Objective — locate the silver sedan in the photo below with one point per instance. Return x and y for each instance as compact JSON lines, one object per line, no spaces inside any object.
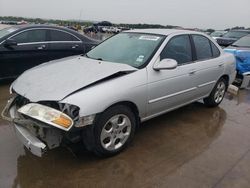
{"x":103,"y":96}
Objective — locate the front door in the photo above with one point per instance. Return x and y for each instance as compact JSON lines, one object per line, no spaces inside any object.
{"x":31,"y":50}
{"x":168,"y":89}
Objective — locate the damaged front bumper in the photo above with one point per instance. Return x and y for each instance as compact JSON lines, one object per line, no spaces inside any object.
{"x":36,"y":146}
{"x":23,"y":129}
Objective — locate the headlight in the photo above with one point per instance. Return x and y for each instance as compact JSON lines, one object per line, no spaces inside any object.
{"x":47,"y":115}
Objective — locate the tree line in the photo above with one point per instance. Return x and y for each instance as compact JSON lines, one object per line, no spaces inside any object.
{"x":89,"y":23}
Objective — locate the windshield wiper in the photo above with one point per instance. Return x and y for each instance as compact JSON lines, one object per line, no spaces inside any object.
{"x":234,"y":45}
{"x":99,"y":59}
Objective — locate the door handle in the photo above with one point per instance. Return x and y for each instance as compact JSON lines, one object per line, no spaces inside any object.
{"x":191,"y":72}
{"x":41,"y":47}
{"x":221,"y":65}
{"x":75,"y":46}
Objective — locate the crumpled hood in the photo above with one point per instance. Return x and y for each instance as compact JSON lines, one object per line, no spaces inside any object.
{"x":57,"y":79}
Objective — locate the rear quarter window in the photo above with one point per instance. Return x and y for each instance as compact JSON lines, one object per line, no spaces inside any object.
{"x":215,"y":50}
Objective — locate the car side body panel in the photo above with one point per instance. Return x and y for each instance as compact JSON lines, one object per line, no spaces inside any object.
{"x":128,"y":88}
{"x":153,"y":92}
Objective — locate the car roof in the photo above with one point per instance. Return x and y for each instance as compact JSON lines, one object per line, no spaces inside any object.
{"x":240,"y":30}
{"x":33,"y":26}
{"x":219,"y":31}
{"x":165,"y":32}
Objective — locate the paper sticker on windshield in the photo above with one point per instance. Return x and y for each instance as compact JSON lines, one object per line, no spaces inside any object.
{"x":148,"y":37}
{"x":140,"y":58}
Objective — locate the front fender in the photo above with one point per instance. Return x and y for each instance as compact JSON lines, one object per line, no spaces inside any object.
{"x":98,"y":97}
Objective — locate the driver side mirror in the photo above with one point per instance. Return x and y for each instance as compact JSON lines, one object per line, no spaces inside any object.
{"x":10,"y":43}
{"x":165,"y":64}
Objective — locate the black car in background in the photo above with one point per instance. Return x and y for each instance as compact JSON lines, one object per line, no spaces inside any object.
{"x":23,"y":47}
{"x":231,"y":36}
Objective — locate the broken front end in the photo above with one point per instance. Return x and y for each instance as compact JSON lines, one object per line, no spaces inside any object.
{"x":44,"y":125}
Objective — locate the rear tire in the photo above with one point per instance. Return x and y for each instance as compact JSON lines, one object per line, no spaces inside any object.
{"x":217,"y":94}
{"x":112,"y":131}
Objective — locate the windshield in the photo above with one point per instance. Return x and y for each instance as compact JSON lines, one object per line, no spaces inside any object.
{"x":243,"y":42}
{"x":6,"y":31}
{"x":236,"y":34}
{"x":133,"y":49}
{"x":217,"y":34}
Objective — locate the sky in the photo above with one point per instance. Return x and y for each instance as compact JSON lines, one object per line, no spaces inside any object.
{"x":217,"y":14}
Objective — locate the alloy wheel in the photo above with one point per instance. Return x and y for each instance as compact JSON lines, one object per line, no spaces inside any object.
{"x":115,"y":132}
{"x":220,"y":91}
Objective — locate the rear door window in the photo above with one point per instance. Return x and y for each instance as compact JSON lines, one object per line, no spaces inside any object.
{"x":56,"y":35}
{"x":202,"y":47}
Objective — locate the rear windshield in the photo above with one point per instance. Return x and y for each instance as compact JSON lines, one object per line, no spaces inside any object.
{"x":217,"y":34}
{"x":243,"y":42}
{"x":236,"y":34}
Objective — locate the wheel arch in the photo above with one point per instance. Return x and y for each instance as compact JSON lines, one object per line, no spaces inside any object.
{"x":226,"y":78}
{"x":130,"y":105}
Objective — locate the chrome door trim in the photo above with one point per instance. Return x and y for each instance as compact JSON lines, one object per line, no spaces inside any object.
{"x":47,"y":42}
{"x":168,"y":110}
{"x":171,"y":95}
{"x":208,"y":83}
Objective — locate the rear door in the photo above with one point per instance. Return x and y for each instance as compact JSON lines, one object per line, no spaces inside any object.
{"x":63,"y":44}
{"x":31,"y":50}
{"x":209,"y":64}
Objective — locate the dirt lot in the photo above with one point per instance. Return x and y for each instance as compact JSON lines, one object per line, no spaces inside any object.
{"x":191,"y":147}
{"x":2,"y":26}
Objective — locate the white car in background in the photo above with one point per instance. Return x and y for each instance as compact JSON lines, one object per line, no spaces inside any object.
{"x":103,"y":96}
{"x":111,"y":29}
{"x":217,"y":34}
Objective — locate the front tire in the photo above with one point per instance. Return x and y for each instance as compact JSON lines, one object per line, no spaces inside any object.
{"x":112,"y":131}
{"x":217,"y":94}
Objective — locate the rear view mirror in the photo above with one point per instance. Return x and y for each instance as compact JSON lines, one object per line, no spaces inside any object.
{"x":165,"y":64}
{"x":10,"y":43}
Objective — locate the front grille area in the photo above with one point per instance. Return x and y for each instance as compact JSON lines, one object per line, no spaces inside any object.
{"x":21,"y":101}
